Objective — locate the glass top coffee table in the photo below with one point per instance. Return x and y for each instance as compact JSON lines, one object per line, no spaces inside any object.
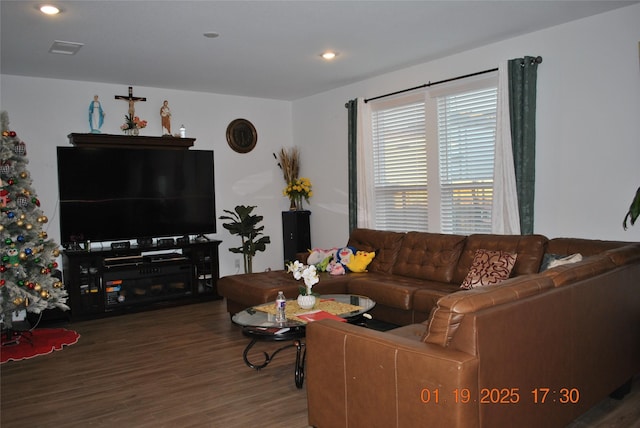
{"x":258,"y":323}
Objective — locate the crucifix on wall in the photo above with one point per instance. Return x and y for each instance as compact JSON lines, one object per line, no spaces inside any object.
{"x":132,"y":100}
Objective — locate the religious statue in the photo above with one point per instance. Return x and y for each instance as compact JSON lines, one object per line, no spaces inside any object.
{"x":131,"y":100}
{"x":165,"y":115}
{"x":96,"y":115}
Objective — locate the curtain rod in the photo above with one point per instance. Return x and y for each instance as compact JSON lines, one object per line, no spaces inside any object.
{"x":536,"y":60}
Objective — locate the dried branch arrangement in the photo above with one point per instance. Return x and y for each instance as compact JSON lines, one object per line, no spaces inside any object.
{"x":288,"y":161}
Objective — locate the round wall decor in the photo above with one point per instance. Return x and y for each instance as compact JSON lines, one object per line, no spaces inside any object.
{"x":241,"y":135}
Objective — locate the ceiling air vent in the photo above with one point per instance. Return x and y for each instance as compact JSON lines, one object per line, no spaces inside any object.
{"x":65,"y":48}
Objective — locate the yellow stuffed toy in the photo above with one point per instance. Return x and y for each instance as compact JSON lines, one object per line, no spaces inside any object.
{"x":360,"y":260}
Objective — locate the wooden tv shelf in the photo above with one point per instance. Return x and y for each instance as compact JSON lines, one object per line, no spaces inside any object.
{"x":131,"y":142}
{"x":107,"y":281}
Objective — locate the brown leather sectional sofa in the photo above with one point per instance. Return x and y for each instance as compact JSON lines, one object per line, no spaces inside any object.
{"x":538,"y":349}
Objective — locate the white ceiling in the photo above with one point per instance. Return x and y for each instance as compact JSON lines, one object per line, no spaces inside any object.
{"x":266,"y":49}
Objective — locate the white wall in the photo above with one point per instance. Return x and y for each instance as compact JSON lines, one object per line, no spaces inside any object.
{"x":588,"y":133}
{"x":588,"y":126}
{"x":44,"y":111}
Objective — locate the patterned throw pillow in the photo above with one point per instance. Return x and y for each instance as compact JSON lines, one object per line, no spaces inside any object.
{"x":489,"y":267}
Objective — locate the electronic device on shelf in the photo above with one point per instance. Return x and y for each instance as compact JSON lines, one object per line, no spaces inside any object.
{"x":166,"y":242}
{"x":120,"y":245}
{"x":112,"y":194}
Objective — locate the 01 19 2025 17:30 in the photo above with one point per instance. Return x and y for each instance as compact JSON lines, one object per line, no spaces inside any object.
{"x":540,"y":395}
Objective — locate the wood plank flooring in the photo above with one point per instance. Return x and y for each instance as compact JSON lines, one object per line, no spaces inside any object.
{"x":179,"y":367}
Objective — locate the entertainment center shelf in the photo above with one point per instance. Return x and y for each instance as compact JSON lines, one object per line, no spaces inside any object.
{"x":109,"y":281}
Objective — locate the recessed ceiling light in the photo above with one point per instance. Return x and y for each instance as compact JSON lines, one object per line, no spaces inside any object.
{"x":329,"y":55}
{"x":49,"y":9}
{"x":211,"y":34}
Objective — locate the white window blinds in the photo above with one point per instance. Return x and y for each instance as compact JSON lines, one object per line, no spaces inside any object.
{"x":466,"y":141}
{"x":400,"y":167}
{"x":447,"y":135}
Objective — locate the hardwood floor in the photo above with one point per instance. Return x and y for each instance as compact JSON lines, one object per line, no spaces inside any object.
{"x":179,"y":367}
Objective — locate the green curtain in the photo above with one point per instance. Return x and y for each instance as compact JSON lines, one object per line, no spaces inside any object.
{"x":522,"y":109}
{"x":352,"y":108}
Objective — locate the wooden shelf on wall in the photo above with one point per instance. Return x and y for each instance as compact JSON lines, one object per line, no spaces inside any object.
{"x":131,"y":142}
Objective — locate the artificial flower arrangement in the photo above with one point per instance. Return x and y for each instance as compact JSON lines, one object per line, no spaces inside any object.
{"x":307,"y":272}
{"x":133,"y":122}
{"x":297,"y":190}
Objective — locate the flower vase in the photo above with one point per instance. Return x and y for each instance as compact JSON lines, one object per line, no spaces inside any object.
{"x":306,"y":302}
{"x":292,"y":205}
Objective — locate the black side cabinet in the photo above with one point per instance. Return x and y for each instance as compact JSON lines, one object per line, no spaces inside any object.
{"x":296,"y":235}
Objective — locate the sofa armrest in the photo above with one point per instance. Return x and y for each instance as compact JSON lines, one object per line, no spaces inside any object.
{"x":361,"y":377}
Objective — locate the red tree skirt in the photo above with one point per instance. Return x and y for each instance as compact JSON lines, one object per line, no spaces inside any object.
{"x":38,"y":342}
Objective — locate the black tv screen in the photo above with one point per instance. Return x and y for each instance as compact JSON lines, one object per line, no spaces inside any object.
{"x":110,"y":194}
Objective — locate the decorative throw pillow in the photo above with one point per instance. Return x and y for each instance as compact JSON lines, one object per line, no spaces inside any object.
{"x":553,"y":260}
{"x":360,"y":260}
{"x":489,"y":267}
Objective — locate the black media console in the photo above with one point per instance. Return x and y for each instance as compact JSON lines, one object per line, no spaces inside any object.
{"x":119,"y":280}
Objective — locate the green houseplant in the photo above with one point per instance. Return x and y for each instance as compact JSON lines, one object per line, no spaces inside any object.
{"x":634,"y":210}
{"x":243,"y":223}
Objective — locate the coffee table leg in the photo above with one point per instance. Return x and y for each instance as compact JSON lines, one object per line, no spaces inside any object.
{"x":300,"y":359}
{"x":267,"y":357}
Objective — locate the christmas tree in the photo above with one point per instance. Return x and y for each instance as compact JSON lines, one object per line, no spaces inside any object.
{"x":28,"y":257}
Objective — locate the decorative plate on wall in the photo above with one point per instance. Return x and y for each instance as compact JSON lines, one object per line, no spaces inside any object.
{"x":241,"y":135}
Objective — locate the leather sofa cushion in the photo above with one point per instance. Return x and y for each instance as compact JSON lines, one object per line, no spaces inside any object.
{"x":385,"y":244}
{"x":430,"y":256}
{"x":255,"y":288}
{"x":451,"y":309}
{"x":427,"y":296}
{"x":624,"y":255}
{"x":586,"y":247}
{"x":529,"y":248}
{"x":588,"y":267}
{"x":392,"y":291}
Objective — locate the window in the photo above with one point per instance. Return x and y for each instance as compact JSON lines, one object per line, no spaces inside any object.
{"x":447,"y":136}
{"x":400,"y":167}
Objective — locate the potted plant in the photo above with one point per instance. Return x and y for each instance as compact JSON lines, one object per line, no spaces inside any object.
{"x":243,"y":223}
{"x":634,"y":210}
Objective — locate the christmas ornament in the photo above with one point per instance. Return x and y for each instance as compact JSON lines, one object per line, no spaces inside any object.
{"x":20,"y":149}
{"x":22,"y":201}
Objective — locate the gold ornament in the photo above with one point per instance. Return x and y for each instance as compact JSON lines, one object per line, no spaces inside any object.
{"x":18,"y":301}
{"x":29,"y":226}
{"x":22,"y":216}
{"x":44,"y":219}
{"x":44,"y":294}
{"x":1,"y":227}
{"x":56,"y":252}
{"x":37,"y":287}
{"x":23,"y":255}
{"x":20,"y":223}
{"x":57,"y":284}
{"x":23,"y":175}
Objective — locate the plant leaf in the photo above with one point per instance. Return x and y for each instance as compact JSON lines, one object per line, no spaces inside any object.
{"x":634,"y":210}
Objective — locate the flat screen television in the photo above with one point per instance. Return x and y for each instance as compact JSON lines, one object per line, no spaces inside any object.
{"x":111,"y":194}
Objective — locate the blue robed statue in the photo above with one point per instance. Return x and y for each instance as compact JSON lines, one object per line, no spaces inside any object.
{"x":96,"y":115}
